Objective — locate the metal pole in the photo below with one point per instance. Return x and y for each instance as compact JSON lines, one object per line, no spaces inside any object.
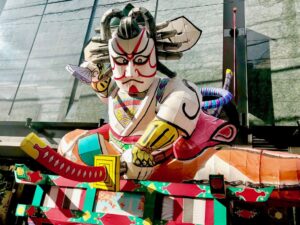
{"x":234,"y":53}
{"x":156,"y":8}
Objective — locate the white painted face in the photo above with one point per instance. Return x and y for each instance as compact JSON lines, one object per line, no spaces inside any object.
{"x":133,"y":62}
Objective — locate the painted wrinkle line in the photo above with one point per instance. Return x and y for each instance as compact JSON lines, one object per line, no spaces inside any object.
{"x":139,"y":42}
{"x":143,"y":75}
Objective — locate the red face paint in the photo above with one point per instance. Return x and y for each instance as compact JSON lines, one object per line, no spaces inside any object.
{"x":133,"y":62}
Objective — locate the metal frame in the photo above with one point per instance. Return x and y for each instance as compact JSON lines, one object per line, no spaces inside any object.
{"x":11,"y":133}
{"x":241,"y":54}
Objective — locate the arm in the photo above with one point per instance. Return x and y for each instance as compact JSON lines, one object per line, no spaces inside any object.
{"x":101,"y":81}
{"x":177,"y":116}
{"x":159,"y":135}
{"x":95,"y":55}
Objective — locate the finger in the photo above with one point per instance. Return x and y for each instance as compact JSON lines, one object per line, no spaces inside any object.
{"x":162,"y":25}
{"x":165,"y":34}
{"x":169,"y":55}
{"x":99,"y":49}
{"x":123,"y":168}
{"x":98,"y":54}
{"x":100,"y":59}
{"x":145,"y":173}
{"x":93,"y":67}
{"x":98,"y":40}
{"x":168,"y":45}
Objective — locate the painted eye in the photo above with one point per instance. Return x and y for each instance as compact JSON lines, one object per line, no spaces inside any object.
{"x":140,"y":59}
{"x":121,"y":60}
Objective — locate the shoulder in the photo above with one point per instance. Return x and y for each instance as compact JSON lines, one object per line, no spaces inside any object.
{"x":181,"y":88}
{"x":181,"y":104}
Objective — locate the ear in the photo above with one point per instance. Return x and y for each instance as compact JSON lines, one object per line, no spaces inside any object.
{"x":225,"y":133}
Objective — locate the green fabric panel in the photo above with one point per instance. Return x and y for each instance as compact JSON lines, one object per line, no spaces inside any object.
{"x":219,"y":213}
{"x":149,"y":205}
{"x":121,"y":145}
{"x":88,"y":147}
{"x":89,"y":199}
{"x":38,"y":194}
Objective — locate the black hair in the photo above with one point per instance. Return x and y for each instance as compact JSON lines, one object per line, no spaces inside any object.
{"x":128,"y":28}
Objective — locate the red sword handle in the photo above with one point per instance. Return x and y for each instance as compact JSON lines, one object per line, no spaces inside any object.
{"x":56,"y":163}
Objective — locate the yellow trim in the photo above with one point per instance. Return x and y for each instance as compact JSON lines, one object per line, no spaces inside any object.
{"x":147,"y":221}
{"x":86,"y":215}
{"x":158,"y":134}
{"x":151,"y":188}
{"x":112,"y":164}
{"x":278,"y":215}
{"x":101,"y":86}
{"x":20,"y":171}
{"x":20,"y":210}
{"x":27,"y":145}
{"x":229,"y":71}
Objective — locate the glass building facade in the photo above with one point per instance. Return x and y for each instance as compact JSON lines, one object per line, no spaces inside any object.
{"x":38,"y":38}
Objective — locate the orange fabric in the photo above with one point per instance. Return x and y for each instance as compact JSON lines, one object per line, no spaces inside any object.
{"x":263,"y":166}
{"x":177,"y":171}
{"x":246,"y":162}
{"x":73,"y":134}
{"x":110,"y":149}
{"x":258,"y":166}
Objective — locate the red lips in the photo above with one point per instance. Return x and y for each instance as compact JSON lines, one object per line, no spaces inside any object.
{"x":133,"y":89}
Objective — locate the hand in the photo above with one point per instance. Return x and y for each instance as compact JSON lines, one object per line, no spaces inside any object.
{"x":95,"y":70}
{"x":100,"y":76}
{"x":134,"y":171}
{"x":96,"y":53}
{"x":142,"y":158}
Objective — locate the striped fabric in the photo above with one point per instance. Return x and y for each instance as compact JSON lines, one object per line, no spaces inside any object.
{"x":107,"y":202}
{"x":67,"y":198}
{"x":187,"y":210}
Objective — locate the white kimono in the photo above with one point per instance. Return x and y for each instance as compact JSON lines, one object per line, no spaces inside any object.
{"x":172,"y":100}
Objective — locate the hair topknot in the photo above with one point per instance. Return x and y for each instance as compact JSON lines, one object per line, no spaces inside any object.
{"x":128,"y":28}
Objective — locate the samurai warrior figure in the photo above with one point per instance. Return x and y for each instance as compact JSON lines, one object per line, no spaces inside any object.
{"x":147,"y":114}
{"x":157,"y":124}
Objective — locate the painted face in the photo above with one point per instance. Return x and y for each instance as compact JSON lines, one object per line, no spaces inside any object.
{"x":133,"y":62}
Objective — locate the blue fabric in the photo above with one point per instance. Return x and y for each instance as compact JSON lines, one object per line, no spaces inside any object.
{"x":88,"y":147}
{"x":161,"y":88}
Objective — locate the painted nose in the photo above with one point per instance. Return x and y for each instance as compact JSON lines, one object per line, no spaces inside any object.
{"x":130,"y":71}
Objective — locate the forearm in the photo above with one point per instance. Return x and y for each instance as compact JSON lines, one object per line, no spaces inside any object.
{"x":103,"y":87}
{"x":159,"y":135}
{"x":101,"y":82}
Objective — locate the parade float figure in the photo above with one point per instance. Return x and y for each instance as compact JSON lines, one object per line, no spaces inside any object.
{"x":147,"y":114}
{"x":156,"y":124}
